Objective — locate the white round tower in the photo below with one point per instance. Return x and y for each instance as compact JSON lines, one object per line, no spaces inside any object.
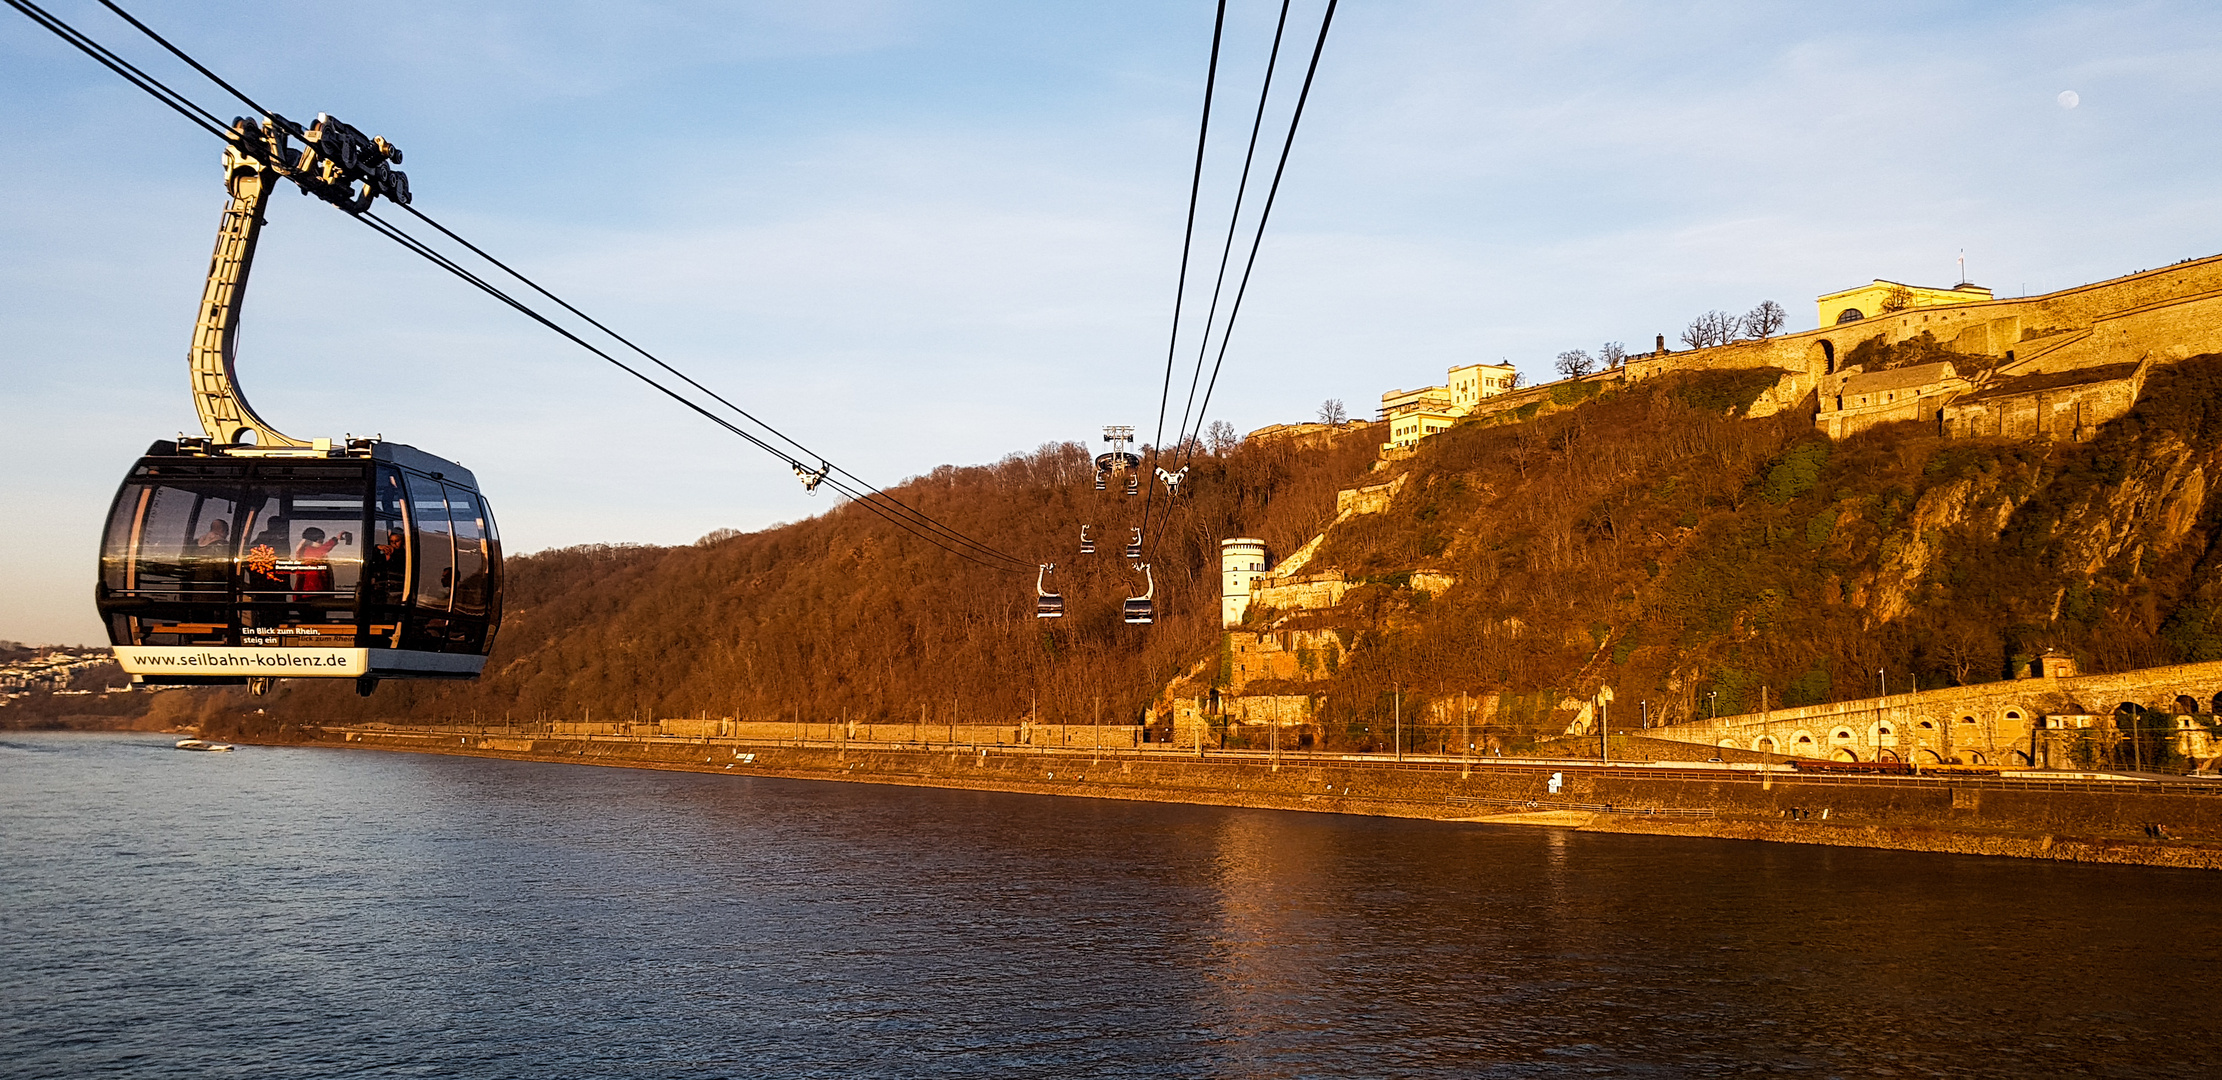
{"x":1241,"y":560}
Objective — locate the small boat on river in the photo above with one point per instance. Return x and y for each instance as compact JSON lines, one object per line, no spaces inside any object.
{"x":204,"y":744}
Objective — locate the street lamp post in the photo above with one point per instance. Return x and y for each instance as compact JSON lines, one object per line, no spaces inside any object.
{"x":1396,"y":709}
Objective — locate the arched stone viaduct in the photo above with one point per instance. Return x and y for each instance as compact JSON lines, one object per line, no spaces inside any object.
{"x":2019,"y":722}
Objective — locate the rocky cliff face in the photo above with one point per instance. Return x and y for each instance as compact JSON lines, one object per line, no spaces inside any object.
{"x":1648,"y":545}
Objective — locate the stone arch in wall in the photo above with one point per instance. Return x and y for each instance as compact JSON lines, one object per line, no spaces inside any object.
{"x":1972,"y":757}
{"x":2216,"y":701}
{"x":1887,"y":755}
{"x":1804,"y":744}
{"x":1842,"y":734}
{"x":2011,"y":716}
{"x":1823,"y":356}
{"x":1764,"y":744}
{"x":2186,"y":704}
{"x":1729,"y":743}
{"x":1968,"y":719}
{"x":1849,"y":315}
{"x":1926,"y":756}
{"x":1843,"y":753}
{"x":2019,"y":757}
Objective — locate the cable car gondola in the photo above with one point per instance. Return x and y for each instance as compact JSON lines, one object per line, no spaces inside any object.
{"x":1087,"y":543}
{"x":1142,"y":610}
{"x":1134,"y":547}
{"x":1117,"y":463}
{"x":1133,"y":484}
{"x":1047,"y":605}
{"x":247,"y":555}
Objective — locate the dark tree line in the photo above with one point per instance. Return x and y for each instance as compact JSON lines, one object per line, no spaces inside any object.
{"x":846,"y":616}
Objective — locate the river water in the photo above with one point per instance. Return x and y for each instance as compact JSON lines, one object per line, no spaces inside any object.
{"x":318,"y":912}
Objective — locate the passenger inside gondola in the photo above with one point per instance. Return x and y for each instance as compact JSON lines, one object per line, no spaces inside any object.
{"x":216,"y":542}
{"x":315,"y":558}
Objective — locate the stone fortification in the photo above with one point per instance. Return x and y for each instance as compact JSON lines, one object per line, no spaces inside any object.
{"x":2051,"y":366}
{"x":2038,"y":722}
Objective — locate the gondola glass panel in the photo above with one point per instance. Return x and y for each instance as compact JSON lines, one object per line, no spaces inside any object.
{"x":170,"y":543}
{"x":433,"y":550}
{"x":470,"y":551}
{"x":302,"y":561}
{"x":474,"y":563}
{"x":435,"y":543}
{"x":388,"y":570}
{"x":493,"y":573}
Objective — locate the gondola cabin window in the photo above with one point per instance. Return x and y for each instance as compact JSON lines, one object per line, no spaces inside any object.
{"x":435,"y":543}
{"x":388,"y":557}
{"x":304,"y":538}
{"x":173,"y":537}
{"x":468,"y":526}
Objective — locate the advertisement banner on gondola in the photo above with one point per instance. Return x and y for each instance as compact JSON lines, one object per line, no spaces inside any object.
{"x":254,"y":663}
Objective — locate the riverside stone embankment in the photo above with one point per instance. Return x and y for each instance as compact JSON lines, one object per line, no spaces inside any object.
{"x":2157,"y":823}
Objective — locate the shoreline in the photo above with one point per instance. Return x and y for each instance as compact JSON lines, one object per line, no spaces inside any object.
{"x":2166,"y":825}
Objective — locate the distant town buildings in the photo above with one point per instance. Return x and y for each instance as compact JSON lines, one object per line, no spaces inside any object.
{"x":49,"y":669}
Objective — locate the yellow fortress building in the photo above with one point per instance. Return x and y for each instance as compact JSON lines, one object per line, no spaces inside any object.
{"x":1413,"y":415}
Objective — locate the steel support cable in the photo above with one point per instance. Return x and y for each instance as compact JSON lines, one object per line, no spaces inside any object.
{"x":1187,"y":242}
{"x":1251,"y":261}
{"x":194,"y":112}
{"x":1226,"y":251}
{"x":251,"y":103}
{"x":180,"y":54}
{"x":154,"y":87}
{"x":1272,"y":194}
{"x":535,"y":286}
{"x":418,"y":247}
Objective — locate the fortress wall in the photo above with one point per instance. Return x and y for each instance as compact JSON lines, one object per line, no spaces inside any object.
{"x":1276,"y":709}
{"x":1992,"y":719}
{"x":2167,"y":311}
{"x":2168,"y":331}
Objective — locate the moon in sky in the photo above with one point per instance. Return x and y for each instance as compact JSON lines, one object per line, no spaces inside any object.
{"x":2070,"y":99}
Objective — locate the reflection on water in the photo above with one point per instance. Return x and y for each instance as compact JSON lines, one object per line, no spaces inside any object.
{"x":297,"y":912}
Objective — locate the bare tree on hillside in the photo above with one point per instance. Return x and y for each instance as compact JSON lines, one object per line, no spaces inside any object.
{"x":1764,"y":321}
{"x":1612,"y":354}
{"x":1221,"y":437}
{"x":1575,"y":363}
{"x":1332,"y":412}
{"x":1712,"y":328}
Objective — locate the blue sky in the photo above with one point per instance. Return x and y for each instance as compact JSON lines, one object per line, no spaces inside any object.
{"x":916,"y":233}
